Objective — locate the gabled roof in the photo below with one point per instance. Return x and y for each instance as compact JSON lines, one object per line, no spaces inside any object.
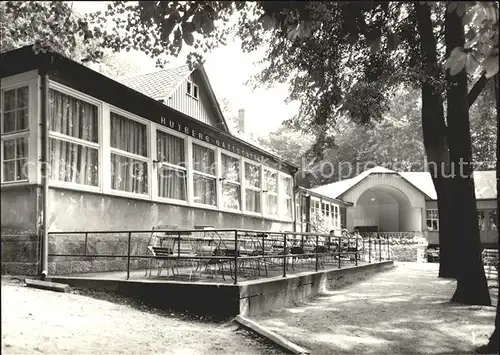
{"x":159,"y":85}
{"x":484,"y":182}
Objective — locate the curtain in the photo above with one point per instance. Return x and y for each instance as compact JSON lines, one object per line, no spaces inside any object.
{"x":252,"y":175}
{"x":272,"y":204}
{"x":128,"y":135}
{"x":172,"y":182}
{"x":170,"y":149}
{"x":204,"y":190}
{"x":203,"y":159}
{"x":252,"y":202}
{"x":230,"y":168}
{"x":128,"y":174}
{"x":231,"y":196}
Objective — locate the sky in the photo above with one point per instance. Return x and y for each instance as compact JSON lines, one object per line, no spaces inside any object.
{"x":228,"y":68}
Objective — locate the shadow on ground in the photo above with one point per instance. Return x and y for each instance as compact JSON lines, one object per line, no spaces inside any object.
{"x":403,"y":311}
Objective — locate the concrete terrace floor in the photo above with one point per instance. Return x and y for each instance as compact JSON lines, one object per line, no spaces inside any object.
{"x":402,"y":311}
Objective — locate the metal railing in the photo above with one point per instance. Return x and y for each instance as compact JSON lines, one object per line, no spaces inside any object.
{"x":247,"y":253}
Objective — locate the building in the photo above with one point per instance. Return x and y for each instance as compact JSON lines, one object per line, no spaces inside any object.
{"x":83,"y":152}
{"x":387,"y":201}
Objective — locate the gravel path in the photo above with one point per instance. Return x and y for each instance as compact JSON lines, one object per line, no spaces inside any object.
{"x":36,"y":321}
{"x":402,"y":311}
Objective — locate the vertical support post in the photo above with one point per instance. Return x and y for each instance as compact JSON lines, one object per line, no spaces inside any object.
{"x":284,"y":255}
{"x":128,"y":254}
{"x":302,"y":241}
{"x":388,"y":250}
{"x":178,"y":246}
{"x":339,"y":250}
{"x":356,"y":255}
{"x":235,"y":257}
{"x":370,"y":249}
{"x":364,"y":251}
{"x":317,"y":240}
{"x":379,"y":250}
{"x":86,"y":240}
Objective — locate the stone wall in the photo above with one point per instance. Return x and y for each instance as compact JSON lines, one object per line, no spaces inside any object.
{"x":20,"y":230}
{"x":410,"y":252}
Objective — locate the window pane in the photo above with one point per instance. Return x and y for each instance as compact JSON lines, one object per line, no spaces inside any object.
{"x":9,"y":123}
{"x":230,"y":168}
{"x":21,"y":169}
{"x":22,"y":97}
{"x":21,"y":148}
{"x":9,"y":171}
{"x":9,"y":98}
{"x":172,"y":183}
{"x":170,"y":148}
{"x":204,"y":190}
{"x":270,"y":181}
{"x":129,"y":174}
{"x":493,"y":220}
{"x":252,"y":202}
{"x":231,"y":196}
{"x":73,"y":117}
{"x":203,"y":159}
{"x":252,"y":175}
{"x":9,"y":149}
{"x":286,"y":183}
{"x":73,"y":163}
{"x":272,"y":204}
{"x":128,"y":135}
{"x":22,"y":119}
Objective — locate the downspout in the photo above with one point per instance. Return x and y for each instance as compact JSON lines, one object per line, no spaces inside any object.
{"x":295,"y":190}
{"x":44,"y":170}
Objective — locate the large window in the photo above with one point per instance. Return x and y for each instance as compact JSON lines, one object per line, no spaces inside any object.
{"x":286,"y":195}
{"x":204,"y":175}
{"x":129,"y":155}
{"x":432,"y":220}
{"x":15,"y":134}
{"x":172,"y":172}
{"x":270,"y":192}
{"x":231,"y":186}
{"x":252,"y":188}
{"x":335,"y":215}
{"x":74,"y":143}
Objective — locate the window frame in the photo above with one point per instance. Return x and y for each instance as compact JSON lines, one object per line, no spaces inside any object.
{"x":266,"y":193}
{"x":193,"y":172}
{"x":123,"y":153}
{"x":157,"y":164}
{"x":190,"y":89}
{"x":221,"y":182}
{"x":99,"y":145}
{"x":434,"y":216}
{"x":253,"y":188}
{"x":31,"y":79}
{"x":283,"y":194}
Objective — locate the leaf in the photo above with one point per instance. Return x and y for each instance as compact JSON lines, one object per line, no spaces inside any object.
{"x":471,"y":63}
{"x":490,"y":66}
{"x":197,"y":20}
{"x":452,"y":5}
{"x":375,"y":45}
{"x":188,"y":27}
{"x":188,"y":38}
{"x":468,"y":17}
{"x":392,"y":41}
{"x":457,"y":55}
{"x":266,"y":21}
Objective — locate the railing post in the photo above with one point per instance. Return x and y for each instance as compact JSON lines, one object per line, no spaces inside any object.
{"x":128,"y":254}
{"x":178,"y":246}
{"x":388,"y":250}
{"x":379,"y":250}
{"x":284,"y":255}
{"x":356,"y":255}
{"x":370,"y":249}
{"x":339,"y":250}
{"x":235,"y":257}
{"x":263,"y":248}
{"x":317,"y":240}
{"x":364,"y":250}
{"x":86,"y":240}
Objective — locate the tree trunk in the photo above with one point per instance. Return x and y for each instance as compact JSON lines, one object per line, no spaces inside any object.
{"x":472,"y":286}
{"x":434,"y":134}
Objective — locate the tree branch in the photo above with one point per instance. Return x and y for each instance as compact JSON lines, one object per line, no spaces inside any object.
{"x":477,"y":89}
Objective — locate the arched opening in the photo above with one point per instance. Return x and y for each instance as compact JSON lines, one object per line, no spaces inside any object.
{"x":386,"y":209}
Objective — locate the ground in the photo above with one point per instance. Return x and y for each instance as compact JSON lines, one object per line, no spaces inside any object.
{"x":36,"y":321}
{"x":402,"y":311}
